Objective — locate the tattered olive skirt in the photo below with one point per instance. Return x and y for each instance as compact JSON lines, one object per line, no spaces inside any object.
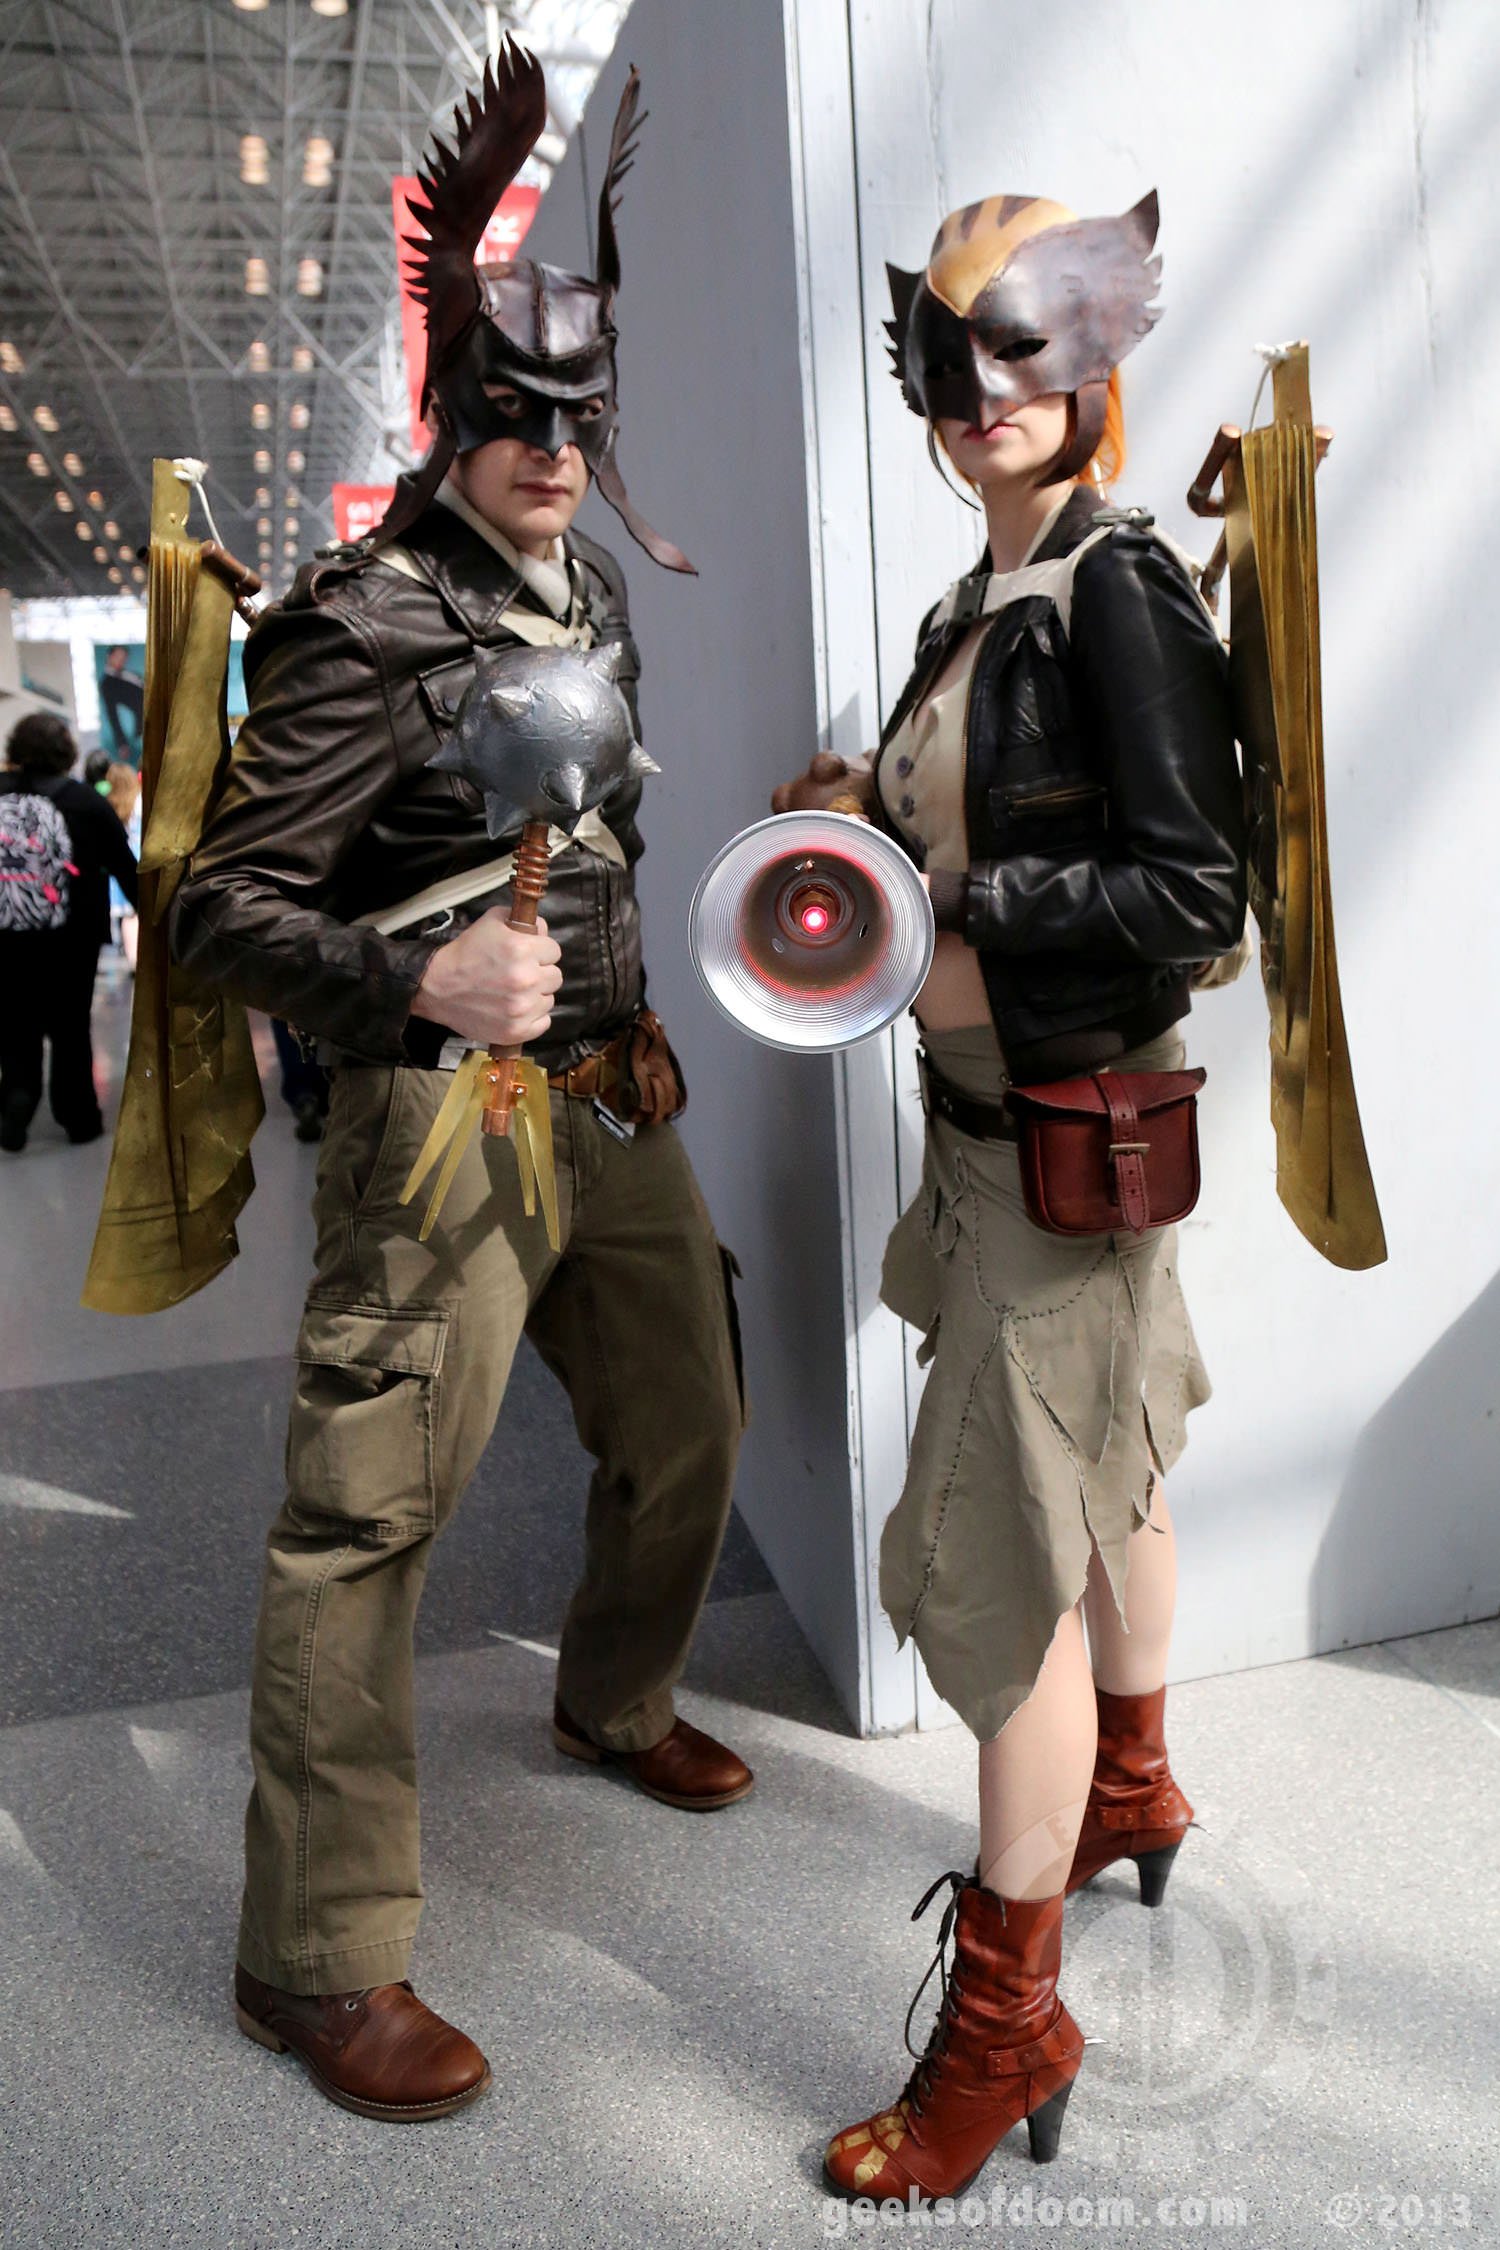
{"x":1062,"y":1372}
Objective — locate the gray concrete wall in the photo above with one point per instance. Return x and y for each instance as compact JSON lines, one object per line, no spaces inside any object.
{"x":712,"y":449}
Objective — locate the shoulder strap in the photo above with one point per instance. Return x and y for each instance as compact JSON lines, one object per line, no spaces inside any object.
{"x":983,"y":594}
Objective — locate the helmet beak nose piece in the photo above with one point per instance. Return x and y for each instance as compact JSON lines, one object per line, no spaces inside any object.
{"x":994,"y":385}
{"x":552,"y":435}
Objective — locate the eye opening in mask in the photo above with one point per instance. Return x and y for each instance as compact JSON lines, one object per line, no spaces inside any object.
{"x":505,"y":395}
{"x":590,"y":409}
{"x":1024,"y":347}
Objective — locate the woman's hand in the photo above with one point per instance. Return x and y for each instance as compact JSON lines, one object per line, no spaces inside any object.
{"x":828,"y":779}
{"x":491,"y":984}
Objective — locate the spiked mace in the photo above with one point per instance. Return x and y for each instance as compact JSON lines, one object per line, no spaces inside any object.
{"x":544,"y":735}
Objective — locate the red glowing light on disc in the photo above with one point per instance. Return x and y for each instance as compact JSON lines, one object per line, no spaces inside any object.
{"x":815,"y":920}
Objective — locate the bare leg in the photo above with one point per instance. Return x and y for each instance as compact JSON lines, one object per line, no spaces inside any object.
{"x":1135,"y":1662}
{"x":1034,"y":1776}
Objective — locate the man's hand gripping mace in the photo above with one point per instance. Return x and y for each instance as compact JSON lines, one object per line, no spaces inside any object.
{"x":500,"y":1088}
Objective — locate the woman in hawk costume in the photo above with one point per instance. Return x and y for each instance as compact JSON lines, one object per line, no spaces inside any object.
{"x":1061,"y":765}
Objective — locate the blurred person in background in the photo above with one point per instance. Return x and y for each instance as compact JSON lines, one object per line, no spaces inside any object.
{"x":59,"y":844}
{"x":122,"y":703}
{"x":304,"y":1082}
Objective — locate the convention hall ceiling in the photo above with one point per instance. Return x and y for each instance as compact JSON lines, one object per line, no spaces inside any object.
{"x":151,"y":152}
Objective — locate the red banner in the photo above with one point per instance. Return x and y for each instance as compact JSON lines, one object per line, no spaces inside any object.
{"x":358,"y":508}
{"x":502,"y":238}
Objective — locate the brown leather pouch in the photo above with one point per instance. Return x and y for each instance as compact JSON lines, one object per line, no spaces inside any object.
{"x":651,"y":1088}
{"x":1116,"y":1152}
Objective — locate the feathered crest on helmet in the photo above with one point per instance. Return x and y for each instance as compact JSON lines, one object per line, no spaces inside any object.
{"x":623,"y":142}
{"x":494,"y":131}
{"x":904,"y":287}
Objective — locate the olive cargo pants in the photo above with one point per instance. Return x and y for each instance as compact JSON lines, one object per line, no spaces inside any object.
{"x":403,"y":1357}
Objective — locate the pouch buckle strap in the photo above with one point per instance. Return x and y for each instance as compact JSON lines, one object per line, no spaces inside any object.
{"x":1060,"y":2044}
{"x":1127,"y":1153}
{"x":594,"y":1077}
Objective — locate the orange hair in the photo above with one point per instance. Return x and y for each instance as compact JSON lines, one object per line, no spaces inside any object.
{"x":1108,"y":463}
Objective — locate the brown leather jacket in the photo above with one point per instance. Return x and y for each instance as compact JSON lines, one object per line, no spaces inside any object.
{"x":331,"y":811}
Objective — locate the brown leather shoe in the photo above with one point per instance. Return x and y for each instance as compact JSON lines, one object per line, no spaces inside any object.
{"x":686,"y":1768}
{"x":380,"y":2052}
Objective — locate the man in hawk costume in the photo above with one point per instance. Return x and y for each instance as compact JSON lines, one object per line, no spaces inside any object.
{"x":349,"y":884}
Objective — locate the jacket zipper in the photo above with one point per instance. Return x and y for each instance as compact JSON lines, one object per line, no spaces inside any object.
{"x":1046,"y":799}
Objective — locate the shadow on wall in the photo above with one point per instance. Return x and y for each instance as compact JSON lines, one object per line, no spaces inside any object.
{"x":1394,"y":1557}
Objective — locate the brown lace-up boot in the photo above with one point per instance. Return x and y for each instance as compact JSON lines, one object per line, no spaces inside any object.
{"x":1004,"y":2047}
{"x":1135,"y":1809}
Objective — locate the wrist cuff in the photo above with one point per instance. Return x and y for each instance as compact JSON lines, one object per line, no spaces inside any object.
{"x":949,"y":892}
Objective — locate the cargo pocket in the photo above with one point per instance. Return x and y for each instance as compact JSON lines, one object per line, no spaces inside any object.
{"x":729,"y":1266}
{"x":914,"y":1270}
{"x":361,"y":1438}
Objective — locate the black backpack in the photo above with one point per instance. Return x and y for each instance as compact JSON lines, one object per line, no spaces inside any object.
{"x":35,"y":863}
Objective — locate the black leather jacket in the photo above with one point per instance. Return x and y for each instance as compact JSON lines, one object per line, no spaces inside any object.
{"x":1102,"y":796}
{"x":330,"y":809}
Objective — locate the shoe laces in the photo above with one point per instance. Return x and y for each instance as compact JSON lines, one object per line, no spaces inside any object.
{"x":929,"y":2058}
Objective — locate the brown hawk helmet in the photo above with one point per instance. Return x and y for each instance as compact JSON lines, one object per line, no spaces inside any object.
{"x":520,"y":350}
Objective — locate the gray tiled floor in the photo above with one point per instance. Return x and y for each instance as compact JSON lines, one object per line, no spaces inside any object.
{"x":678,"y":2010}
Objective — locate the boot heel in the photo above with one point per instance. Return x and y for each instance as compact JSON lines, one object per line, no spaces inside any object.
{"x":1044,"y":2125}
{"x":1154,"y":1869}
{"x":258,"y":2031}
{"x":574,"y":1746}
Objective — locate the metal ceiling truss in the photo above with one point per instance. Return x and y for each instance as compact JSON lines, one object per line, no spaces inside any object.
{"x":125,"y":228}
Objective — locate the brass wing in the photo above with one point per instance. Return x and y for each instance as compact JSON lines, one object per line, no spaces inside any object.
{"x":179,"y":1169}
{"x":1271,"y":537}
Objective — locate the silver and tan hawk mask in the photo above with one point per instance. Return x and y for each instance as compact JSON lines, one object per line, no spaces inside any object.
{"x":1020,"y":298}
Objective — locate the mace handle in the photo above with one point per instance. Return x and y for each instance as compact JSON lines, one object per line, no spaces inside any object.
{"x":528,"y":884}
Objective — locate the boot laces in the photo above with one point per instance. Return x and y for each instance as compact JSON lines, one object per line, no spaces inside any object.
{"x":929,"y":2058}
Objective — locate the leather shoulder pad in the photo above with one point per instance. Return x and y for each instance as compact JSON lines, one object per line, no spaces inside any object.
{"x":1140,"y":561}
{"x":1111,"y":519}
{"x":315,"y":620}
{"x":331,"y":567}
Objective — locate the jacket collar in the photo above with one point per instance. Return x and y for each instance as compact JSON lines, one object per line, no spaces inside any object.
{"x":473,"y":580}
{"x":472,"y":577}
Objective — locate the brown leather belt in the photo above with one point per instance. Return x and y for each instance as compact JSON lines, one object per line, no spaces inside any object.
{"x":982,"y":1121}
{"x":596,"y":1077}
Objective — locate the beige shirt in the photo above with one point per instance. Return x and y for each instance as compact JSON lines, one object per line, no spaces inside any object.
{"x":921,"y":771}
